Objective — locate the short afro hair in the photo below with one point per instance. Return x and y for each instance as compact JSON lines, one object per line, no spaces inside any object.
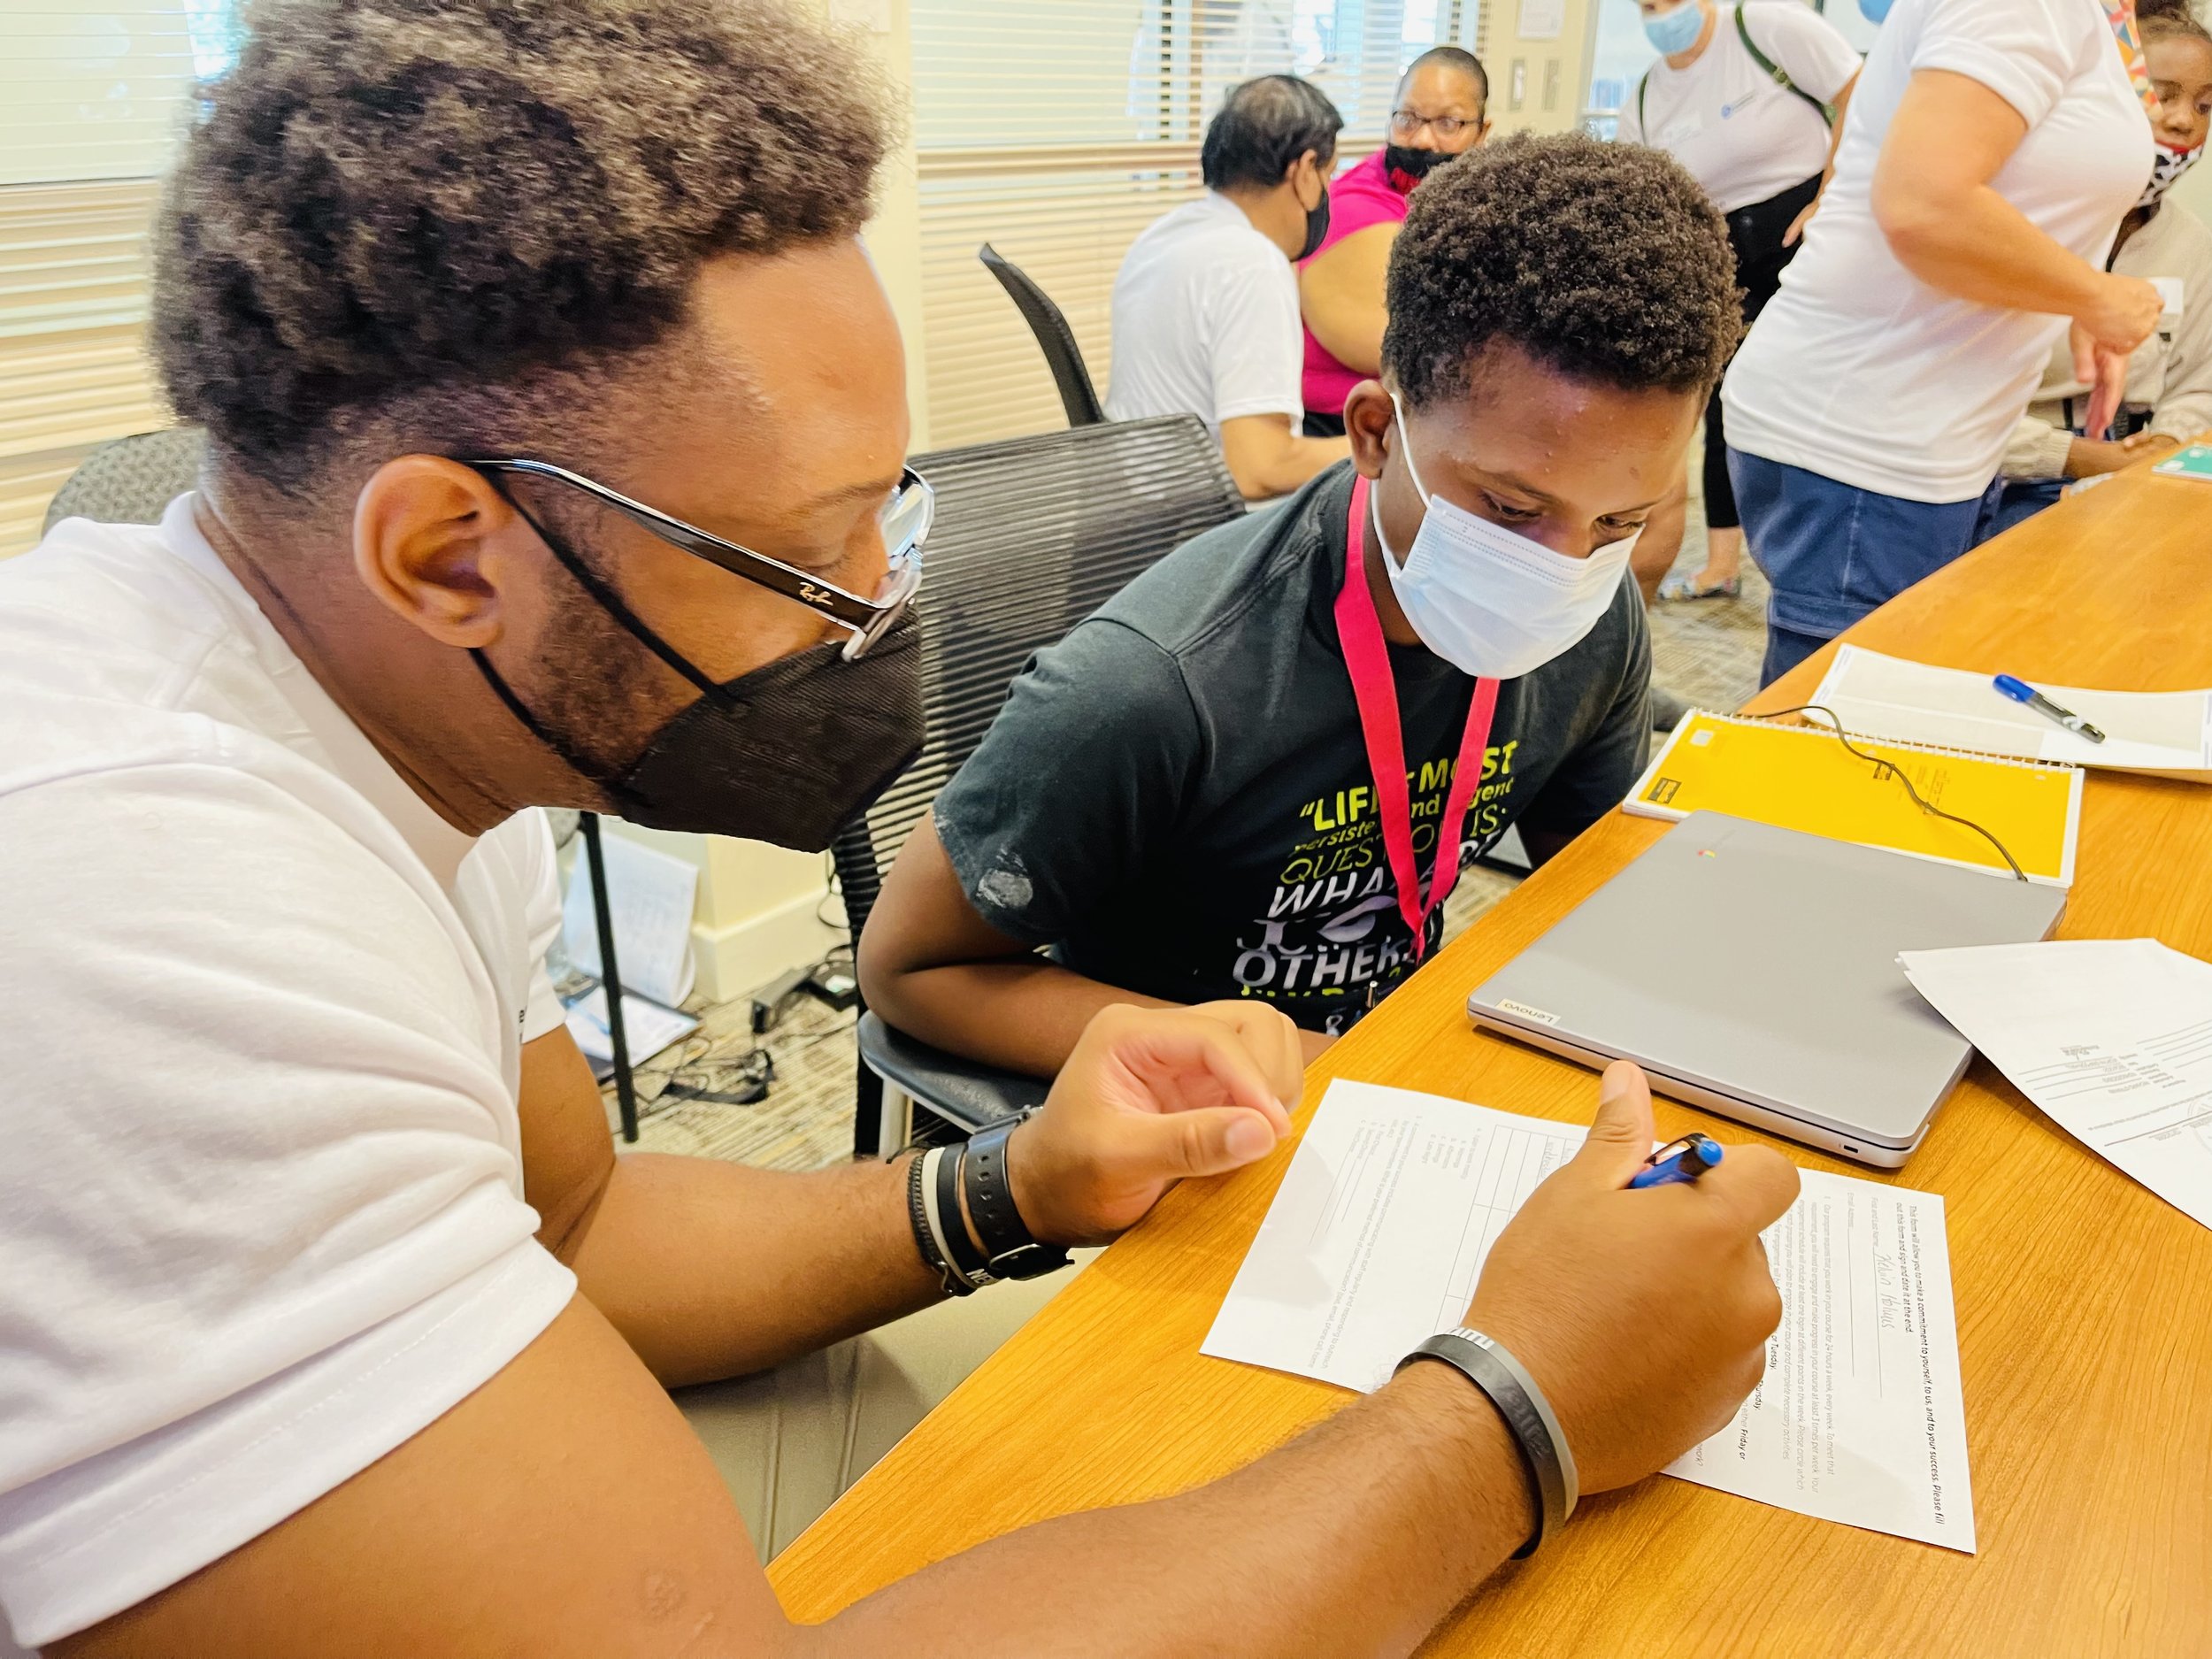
{"x":444,"y":212}
{"x":1605,"y":261}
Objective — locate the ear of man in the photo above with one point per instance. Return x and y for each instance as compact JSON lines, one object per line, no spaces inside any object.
{"x":1368,"y":420}
{"x":439,"y":547}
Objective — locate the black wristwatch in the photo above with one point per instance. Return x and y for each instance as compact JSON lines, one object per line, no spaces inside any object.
{"x":1007,"y":1242}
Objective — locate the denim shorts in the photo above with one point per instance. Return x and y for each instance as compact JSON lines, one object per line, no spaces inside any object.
{"x":1832,"y":552}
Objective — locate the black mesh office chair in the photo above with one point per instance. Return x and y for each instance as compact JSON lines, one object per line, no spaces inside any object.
{"x":131,"y":479}
{"x":1032,"y":535}
{"x":1063,"y":355}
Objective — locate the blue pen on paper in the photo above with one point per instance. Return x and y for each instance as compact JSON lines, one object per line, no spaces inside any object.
{"x":2020,"y":691}
{"x":1683,"y":1160}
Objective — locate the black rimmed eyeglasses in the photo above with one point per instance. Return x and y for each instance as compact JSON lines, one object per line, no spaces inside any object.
{"x":905,"y":520}
{"x":1406,"y":123}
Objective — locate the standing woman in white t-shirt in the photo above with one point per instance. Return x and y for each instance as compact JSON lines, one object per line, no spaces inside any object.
{"x":1991,"y":148}
{"x":1744,"y":97}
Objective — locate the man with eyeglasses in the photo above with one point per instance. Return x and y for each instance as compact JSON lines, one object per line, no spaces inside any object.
{"x":1440,"y":110}
{"x":556,"y":425}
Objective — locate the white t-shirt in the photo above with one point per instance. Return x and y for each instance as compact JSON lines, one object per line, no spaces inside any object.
{"x":1739,"y":133}
{"x":1860,"y":371}
{"x":261,"y":1203}
{"x":1206,"y":320}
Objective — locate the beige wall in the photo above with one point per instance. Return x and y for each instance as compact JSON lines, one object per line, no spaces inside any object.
{"x":756,"y":911}
{"x":1554,"y":65}
{"x":895,"y":236}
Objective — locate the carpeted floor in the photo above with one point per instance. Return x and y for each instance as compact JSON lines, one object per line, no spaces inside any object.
{"x":1707,"y":651}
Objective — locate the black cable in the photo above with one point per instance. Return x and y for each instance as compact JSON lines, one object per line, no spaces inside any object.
{"x":1843,"y":737}
{"x":755,"y":1069}
{"x":833,"y":888}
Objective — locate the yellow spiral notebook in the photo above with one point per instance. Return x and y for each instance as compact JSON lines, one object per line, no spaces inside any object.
{"x":1801,"y":777}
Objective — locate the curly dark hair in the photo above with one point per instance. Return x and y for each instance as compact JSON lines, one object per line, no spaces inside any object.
{"x":458,"y":214}
{"x":1605,"y":261}
{"x":2159,"y":20}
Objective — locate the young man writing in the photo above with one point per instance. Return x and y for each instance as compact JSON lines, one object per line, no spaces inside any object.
{"x":1252,"y":774}
{"x":334,"y":1324}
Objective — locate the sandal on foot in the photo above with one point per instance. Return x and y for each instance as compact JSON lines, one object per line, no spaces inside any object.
{"x":1686,"y":587}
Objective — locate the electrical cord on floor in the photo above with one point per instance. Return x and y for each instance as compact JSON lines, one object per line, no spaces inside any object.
{"x":754,"y":1071}
{"x":1835,"y":729}
{"x":831,"y":979}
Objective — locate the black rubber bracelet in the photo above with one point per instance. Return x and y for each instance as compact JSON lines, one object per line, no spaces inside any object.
{"x":918,"y":1216}
{"x":1012,"y":1248}
{"x":966,"y":1259}
{"x":1528,"y":1417}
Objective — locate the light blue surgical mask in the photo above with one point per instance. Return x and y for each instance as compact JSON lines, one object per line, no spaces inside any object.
{"x":1493,"y":603}
{"x":1677,"y":31}
{"x":1874,"y":11}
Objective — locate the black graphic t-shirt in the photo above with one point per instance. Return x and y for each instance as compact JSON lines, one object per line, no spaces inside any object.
{"x":1176,"y":798}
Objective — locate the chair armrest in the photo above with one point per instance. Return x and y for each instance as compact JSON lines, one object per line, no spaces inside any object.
{"x":959,"y":1091}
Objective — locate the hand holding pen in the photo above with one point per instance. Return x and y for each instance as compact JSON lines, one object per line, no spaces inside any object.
{"x":1683,"y":1160}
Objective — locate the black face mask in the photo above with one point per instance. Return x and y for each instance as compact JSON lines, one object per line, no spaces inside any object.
{"x":1316,"y":226}
{"x":789,"y":753}
{"x":1406,"y":167}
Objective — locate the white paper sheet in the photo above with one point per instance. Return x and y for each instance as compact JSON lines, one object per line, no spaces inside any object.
{"x":2111,"y":1036}
{"x":649,"y":897}
{"x":1392,"y":1200}
{"x":647,"y":1027}
{"x":1887,"y":696}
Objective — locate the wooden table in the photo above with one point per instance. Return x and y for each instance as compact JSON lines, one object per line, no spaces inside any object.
{"x":2085,"y":1304}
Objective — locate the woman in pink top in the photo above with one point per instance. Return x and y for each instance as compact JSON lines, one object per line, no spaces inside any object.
{"x":1440,"y":111}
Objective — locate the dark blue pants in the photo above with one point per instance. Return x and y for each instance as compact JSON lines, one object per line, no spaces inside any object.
{"x":1832,"y":552}
{"x":2013,"y":500}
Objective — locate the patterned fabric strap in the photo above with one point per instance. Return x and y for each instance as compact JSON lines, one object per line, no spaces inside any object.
{"x":2121,"y":15}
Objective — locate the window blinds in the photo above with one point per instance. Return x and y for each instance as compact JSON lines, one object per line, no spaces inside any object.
{"x":1057,"y":132}
{"x":91,"y":99}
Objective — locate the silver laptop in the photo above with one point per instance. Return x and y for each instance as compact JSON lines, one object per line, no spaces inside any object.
{"x":1753,"y":970}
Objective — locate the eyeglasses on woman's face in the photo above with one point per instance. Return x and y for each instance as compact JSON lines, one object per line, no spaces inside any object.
{"x":1405,"y":124}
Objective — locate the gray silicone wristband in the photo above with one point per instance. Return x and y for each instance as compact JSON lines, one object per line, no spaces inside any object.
{"x":1528,"y":1415}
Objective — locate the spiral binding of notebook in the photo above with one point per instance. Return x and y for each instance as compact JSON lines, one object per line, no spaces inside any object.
{"x":1981,"y":812}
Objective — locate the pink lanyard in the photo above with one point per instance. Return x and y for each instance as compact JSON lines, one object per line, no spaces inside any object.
{"x":1359,"y":630}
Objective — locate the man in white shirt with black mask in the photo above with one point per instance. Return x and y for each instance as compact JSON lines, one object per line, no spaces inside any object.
{"x":546,"y":471}
{"x":1206,"y":301}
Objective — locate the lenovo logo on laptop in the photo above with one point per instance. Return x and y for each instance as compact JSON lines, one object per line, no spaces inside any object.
{"x":1542,"y":1017}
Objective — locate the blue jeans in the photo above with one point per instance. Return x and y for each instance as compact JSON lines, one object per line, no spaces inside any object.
{"x":1833,"y":552}
{"x":2013,"y":500}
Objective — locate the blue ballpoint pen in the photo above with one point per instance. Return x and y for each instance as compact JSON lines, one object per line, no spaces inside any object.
{"x":2020,"y":691}
{"x":1683,"y":1160}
